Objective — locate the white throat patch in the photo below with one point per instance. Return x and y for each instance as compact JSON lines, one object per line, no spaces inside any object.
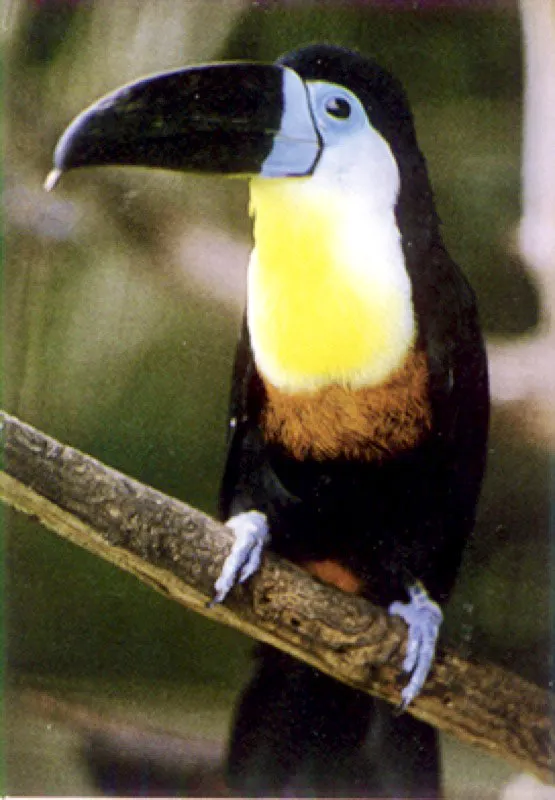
{"x":329,"y":297}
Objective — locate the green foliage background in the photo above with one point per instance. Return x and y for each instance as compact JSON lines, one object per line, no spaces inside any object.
{"x":112,"y":347}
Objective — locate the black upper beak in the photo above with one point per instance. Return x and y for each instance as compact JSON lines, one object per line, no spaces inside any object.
{"x":220,"y":118}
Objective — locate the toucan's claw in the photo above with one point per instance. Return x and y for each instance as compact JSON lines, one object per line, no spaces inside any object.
{"x":251,"y":537}
{"x":424,"y":618}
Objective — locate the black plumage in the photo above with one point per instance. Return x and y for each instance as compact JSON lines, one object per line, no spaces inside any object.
{"x":391,"y":509}
{"x":391,"y":521}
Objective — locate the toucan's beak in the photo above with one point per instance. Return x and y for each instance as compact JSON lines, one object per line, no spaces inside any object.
{"x":234,"y":119}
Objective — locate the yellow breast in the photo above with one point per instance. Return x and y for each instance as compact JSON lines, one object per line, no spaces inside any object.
{"x":329,"y":299}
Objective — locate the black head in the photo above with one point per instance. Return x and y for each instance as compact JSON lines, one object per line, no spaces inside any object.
{"x":386,"y":104}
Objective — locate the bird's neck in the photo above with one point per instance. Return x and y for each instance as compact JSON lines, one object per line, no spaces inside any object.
{"x":329,"y":298}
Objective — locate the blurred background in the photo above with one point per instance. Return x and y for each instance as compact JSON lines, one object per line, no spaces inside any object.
{"x":123,"y":296}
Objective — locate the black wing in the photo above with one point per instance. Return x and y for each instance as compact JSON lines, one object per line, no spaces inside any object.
{"x":391,"y":523}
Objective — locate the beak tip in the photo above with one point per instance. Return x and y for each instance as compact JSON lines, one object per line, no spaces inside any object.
{"x":52,"y":179}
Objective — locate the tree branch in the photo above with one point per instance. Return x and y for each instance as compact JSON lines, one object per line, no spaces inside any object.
{"x":179,"y":551}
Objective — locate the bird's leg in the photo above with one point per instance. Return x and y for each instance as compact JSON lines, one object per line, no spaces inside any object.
{"x":424,"y":618}
{"x":251,"y":536}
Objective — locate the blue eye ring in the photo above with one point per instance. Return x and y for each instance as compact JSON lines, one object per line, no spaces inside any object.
{"x":338,"y":107}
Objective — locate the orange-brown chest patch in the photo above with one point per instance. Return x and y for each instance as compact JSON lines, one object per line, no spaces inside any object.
{"x":369,"y":423}
{"x":335,"y":574}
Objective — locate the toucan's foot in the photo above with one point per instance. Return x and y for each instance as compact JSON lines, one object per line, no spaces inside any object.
{"x":251,"y":536}
{"x":424,"y":618}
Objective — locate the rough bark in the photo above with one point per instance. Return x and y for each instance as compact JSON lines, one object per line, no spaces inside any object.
{"x":179,"y":551}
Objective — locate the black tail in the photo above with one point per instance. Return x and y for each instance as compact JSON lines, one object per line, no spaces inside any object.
{"x":298,"y":733}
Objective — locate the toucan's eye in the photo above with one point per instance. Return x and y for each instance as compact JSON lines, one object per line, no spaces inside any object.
{"x":338,"y":107}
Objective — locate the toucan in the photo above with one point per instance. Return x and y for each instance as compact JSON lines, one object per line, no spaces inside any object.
{"x":359,"y":404}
